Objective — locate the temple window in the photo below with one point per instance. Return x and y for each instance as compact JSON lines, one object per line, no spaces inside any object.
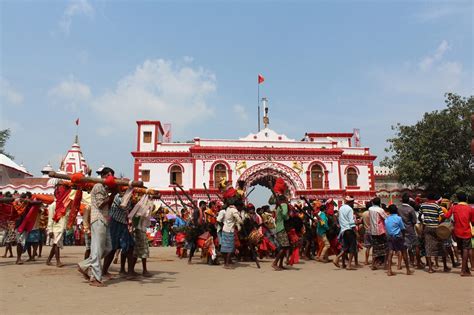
{"x":220,"y":171}
{"x":176,"y":175}
{"x":317,"y":177}
{"x":352,"y":177}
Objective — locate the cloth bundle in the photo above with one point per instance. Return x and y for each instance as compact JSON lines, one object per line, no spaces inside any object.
{"x":142,"y":211}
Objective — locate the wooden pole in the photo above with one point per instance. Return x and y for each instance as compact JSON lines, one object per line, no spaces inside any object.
{"x":86,"y":179}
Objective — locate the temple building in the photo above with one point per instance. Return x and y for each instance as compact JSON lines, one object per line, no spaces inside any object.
{"x":320,"y":165}
{"x":23,"y":181}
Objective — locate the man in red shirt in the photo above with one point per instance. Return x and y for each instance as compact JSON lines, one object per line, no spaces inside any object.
{"x":463,"y":215}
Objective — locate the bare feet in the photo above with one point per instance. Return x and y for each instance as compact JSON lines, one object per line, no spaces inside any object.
{"x":115,"y":261}
{"x":48,"y":262}
{"x":4,"y":256}
{"x":30,"y":259}
{"x":83,"y":273}
{"x":410,"y":272}
{"x":95,"y":283}
{"x":336,"y":263}
{"x":431,"y":271}
{"x":108,"y":276}
{"x":276,"y":268}
{"x":146,"y":274}
{"x":373,"y":268}
{"x":390,"y":274}
{"x":466,"y":274}
{"x":19,"y":262}
{"x":446,"y":269}
{"x":59,"y":265}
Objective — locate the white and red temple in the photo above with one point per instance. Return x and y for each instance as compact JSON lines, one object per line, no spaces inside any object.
{"x":321,"y":165}
{"x":72,"y":162}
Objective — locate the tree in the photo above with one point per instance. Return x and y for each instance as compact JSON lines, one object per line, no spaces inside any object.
{"x":435,"y":152}
{"x":4,"y":136}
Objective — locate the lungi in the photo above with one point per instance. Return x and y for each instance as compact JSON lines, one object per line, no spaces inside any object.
{"x":411,"y":241}
{"x":433,"y":245}
{"x":379,"y":245}
{"x":120,"y":236}
{"x":33,"y":237}
{"x":227,"y":242}
{"x":282,"y":239}
{"x":367,"y":240}
{"x":141,"y":249}
{"x":349,"y":241}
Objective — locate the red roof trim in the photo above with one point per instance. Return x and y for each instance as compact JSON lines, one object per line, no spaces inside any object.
{"x":247,"y":150}
{"x":358,"y":157}
{"x":330,"y":134}
{"x":161,"y":154}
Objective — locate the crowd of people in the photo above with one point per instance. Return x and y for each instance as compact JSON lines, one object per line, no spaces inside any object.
{"x":227,"y":230}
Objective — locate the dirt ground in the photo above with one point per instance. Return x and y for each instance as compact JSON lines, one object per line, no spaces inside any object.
{"x":176,"y":287}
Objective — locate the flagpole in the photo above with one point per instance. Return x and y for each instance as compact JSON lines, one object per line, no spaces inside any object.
{"x":258,"y":103}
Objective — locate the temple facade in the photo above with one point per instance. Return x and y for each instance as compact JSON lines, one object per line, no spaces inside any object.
{"x":320,"y":165}
{"x":72,"y":162}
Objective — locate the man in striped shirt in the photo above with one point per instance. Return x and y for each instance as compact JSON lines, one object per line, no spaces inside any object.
{"x":430,"y":214}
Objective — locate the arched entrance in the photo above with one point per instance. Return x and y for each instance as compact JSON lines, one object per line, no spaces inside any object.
{"x":265,"y":174}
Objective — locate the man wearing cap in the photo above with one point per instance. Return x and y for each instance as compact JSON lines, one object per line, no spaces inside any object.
{"x":349,"y":239}
{"x":101,"y":244}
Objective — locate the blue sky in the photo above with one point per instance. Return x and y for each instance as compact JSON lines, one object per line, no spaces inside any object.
{"x":328,"y":66}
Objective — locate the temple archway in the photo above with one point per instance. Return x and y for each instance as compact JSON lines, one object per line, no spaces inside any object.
{"x":265,"y":174}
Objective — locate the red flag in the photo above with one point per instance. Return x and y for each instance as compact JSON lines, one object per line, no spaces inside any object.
{"x":260,"y":79}
{"x":77,"y":122}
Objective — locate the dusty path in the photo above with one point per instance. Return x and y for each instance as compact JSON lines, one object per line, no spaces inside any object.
{"x":175,"y":287}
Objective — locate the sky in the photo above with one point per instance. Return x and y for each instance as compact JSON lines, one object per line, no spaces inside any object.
{"x":329,"y":66}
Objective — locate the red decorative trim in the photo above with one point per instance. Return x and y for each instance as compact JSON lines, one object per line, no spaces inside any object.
{"x":136,"y":170}
{"x":340,"y":176}
{"x":156,"y":138}
{"x":160,"y":154}
{"x":318,"y":163}
{"x":268,"y":151}
{"x":358,"y":157}
{"x":371,"y":176}
{"x":330,"y":134}
{"x":177,"y":164}
{"x":351,"y":166}
{"x":352,"y":187}
{"x":194,"y":173}
{"x":138,"y":137}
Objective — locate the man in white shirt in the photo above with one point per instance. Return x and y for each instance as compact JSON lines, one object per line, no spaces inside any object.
{"x":230,"y":220}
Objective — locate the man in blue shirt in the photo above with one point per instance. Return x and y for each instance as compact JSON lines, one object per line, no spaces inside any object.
{"x":347,"y":233}
{"x":396,"y":238}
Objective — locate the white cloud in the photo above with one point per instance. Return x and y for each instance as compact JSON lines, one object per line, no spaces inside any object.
{"x":430,"y":78}
{"x":9,"y":94}
{"x":240,"y":111}
{"x":436,"y":11}
{"x":75,"y":7}
{"x":70,"y":93}
{"x":158,"y":89}
{"x":427,"y":62}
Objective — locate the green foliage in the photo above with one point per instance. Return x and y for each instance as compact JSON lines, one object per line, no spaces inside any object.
{"x":435,"y":152}
{"x":4,"y":136}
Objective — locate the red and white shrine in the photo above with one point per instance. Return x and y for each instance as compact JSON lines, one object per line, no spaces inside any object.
{"x":321,"y":165}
